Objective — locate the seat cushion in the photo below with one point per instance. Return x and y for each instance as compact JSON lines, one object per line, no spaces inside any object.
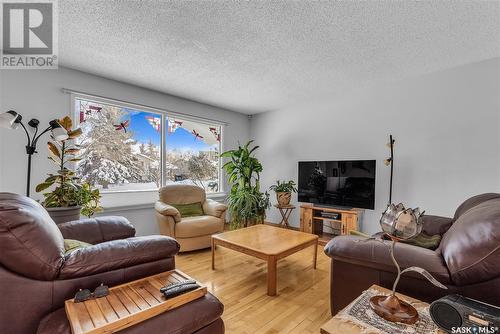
{"x":198,"y":226}
{"x":188,"y":318}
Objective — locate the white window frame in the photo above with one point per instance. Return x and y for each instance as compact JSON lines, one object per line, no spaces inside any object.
{"x":164,"y":114}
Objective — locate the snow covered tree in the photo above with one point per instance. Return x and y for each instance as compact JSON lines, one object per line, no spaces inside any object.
{"x":107,"y":155}
{"x":142,"y":148}
{"x":201,"y":169}
{"x":153,"y":169}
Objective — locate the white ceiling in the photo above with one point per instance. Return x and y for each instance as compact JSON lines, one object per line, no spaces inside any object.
{"x":255,"y":56}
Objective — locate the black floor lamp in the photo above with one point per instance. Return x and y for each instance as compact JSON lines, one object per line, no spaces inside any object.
{"x":12,"y":120}
{"x":390,"y":162}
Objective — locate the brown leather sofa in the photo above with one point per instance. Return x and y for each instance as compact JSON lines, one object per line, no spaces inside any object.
{"x":191,"y":232}
{"x":36,"y":276}
{"x":467,"y":260}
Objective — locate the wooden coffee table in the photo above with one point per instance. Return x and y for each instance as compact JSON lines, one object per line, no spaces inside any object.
{"x":267,"y":243}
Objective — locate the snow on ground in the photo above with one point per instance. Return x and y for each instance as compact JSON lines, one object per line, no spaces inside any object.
{"x":149,"y":186}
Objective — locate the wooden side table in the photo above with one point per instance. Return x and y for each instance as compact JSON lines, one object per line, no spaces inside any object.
{"x":285,"y":211}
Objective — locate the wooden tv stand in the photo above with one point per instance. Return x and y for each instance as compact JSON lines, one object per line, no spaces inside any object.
{"x":311,"y":221}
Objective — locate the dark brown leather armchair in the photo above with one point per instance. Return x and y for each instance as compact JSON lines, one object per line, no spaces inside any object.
{"x":467,"y":260}
{"x":36,"y":276}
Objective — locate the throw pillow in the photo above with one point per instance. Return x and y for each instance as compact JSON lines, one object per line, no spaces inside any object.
{"x":425,"y":241}
{"x":71,"y":245}
{"x":189,"y":210}
{"x":359,"y":234}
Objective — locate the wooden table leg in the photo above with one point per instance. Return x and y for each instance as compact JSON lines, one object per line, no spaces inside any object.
{"x":271,"y":275}
{"x":213,"y":254}
{"x":315,"y":254}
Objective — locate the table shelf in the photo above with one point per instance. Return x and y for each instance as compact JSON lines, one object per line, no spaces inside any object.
{"x":311,"y":221}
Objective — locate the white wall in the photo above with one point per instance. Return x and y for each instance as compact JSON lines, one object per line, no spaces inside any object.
{"x":37,"y":94}
{"x":446,"y":127}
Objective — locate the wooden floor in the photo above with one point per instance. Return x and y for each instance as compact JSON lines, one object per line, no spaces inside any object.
{"x":301,"y":306}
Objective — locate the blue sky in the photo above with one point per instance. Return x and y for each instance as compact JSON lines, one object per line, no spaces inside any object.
{"x":181,"y":139}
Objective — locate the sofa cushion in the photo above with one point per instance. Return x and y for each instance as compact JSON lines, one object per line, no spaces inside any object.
{"x":471,"y":247}
{"x":98,"y":229}
{"x":117,"y":254}
{"x":472,"y":202}
{"x":30,"y":242}
{"x":188,"y":318}
{"x":189,"y":210}
{"x":376,"y":254}
{"x":433,"y":225}
{"x":197,"y":226}
{"x":181,"y":194}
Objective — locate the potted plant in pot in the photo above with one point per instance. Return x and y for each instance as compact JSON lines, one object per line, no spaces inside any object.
{"x":283,"y":190}
{"x":247,"y":204}
{"x":69,"y":197}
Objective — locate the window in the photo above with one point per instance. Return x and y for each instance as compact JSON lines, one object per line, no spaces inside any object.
{"x":123,"y":148}
{"x":193,"y":153}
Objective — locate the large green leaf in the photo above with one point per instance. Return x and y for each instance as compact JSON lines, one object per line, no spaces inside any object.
{"x":43,"y":186}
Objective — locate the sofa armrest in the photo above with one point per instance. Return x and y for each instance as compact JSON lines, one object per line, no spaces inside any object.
{"x":117,"y":254}
{"x":97,"y":230}
{"x":168,"y":210}
{"x":214,"y":208}
{"x":433,"y":225}
{"x":376,"y":254}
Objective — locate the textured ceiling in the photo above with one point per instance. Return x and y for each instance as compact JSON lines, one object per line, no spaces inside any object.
{"x":258,"y":56}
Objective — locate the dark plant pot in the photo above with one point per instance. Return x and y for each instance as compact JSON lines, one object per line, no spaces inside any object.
{"x":64,"y":214}
{"x":283,"y":198}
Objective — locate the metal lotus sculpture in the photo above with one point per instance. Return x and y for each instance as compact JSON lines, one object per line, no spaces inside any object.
{"x":400,"y":223}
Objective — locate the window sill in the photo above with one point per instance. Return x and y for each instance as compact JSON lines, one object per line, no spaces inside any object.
{"x":138,"y":200}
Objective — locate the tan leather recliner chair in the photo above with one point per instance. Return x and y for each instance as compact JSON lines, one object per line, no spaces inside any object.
{"x":191,"y":232}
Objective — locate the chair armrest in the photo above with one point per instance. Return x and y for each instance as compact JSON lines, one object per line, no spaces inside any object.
{"x":214,"y":208}
{"x":97,"y":230}
{"x":168,"y":210}
{"x":376,"y":254}
{"x":433,"y":225}
{"x":117,"y":254}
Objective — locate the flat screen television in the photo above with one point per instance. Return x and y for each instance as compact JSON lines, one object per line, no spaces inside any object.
{"x":338,"y":183}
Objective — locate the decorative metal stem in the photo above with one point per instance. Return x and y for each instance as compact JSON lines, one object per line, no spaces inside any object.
{"x":397,"y":266}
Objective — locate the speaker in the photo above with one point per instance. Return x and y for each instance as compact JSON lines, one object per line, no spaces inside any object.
{"x":455,"y":314}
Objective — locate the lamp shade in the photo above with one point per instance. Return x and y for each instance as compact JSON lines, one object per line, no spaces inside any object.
{"x":58,"y":132}
{"x":402,"y":223}
{"x":10,"y":119}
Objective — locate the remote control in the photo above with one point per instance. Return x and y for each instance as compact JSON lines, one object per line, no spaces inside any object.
{"x":179,"y":289}
{"x":174,"y":285}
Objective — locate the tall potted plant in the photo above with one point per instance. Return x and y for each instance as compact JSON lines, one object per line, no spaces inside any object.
{"x":283,"y":190}
{"x":247,"y":204}
{"x":69,"y":196}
